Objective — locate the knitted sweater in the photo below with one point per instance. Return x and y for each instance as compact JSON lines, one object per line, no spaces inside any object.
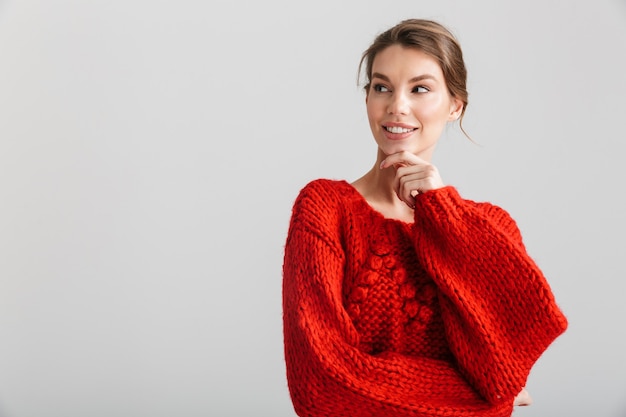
{"x":382,"y":318}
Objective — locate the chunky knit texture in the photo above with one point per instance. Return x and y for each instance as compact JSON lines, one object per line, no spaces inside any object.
{"x":441,"y":317}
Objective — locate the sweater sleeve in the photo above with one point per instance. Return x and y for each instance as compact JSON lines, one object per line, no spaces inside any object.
{"x":498,"y":309}
{"x":328,"y":375}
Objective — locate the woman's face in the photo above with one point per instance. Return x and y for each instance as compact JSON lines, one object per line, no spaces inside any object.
{"x":408,"y":103}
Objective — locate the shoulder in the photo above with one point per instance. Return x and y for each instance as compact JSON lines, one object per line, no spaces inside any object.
{"x":323,"y":187}
{"x":496,"y":215}
{"x":491,"y":211}
{"x":319,"y":206}
{"x":321,"y":195}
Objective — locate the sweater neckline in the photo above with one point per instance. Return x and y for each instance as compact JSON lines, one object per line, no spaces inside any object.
{"x":358,"y":198}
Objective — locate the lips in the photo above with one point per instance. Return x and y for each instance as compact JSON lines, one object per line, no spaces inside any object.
{"x":397,"y":131}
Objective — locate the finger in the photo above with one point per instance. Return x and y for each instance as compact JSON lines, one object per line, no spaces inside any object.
{"x":523,"y":398}
{"x":409,"y":188}
{"x":415,"y":171}
{"x":400,"y":159}
{"x":412,"y":173}
{"x":418,"y":179}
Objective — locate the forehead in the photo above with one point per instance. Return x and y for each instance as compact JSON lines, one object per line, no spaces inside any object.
{"x":401,"y":60}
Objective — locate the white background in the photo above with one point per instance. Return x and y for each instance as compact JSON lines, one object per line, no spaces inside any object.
{"x":150,"y":152}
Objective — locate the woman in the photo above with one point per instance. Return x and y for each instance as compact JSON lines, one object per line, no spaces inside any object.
{"x":400,"y":297}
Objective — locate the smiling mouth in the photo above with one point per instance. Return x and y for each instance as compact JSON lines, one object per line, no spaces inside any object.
{"x":398,"y":129}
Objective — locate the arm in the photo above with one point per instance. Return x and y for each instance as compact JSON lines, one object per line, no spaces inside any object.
{"x":327,"y":373}
{"x":499,"y":312}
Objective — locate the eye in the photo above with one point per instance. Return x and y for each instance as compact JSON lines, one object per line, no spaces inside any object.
{"x":380,"y":88}
{"x":420,"y":89}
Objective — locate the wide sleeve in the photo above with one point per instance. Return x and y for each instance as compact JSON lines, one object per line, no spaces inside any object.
{"x":328,"y":375}
{"x":498,"y":309}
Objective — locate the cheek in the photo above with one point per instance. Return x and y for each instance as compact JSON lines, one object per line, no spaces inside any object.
{"x":373,"y":109}
{"x":434,"y":109}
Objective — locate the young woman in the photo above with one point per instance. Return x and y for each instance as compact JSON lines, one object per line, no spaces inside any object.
{"x":400,"y":297}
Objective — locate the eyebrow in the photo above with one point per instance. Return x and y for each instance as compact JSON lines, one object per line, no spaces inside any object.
{"x":412,"y":80}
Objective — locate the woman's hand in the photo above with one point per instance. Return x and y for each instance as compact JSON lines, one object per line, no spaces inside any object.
{"x":413,"y":176}
{"x":523,"y":398}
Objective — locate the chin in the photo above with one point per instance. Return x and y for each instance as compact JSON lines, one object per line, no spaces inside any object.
{"x":391,"y":149}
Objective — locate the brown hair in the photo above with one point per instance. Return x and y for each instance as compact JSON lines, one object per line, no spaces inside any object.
{"x":433,"y":39}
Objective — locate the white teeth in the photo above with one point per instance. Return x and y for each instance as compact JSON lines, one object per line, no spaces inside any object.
{"x":397,"y":129}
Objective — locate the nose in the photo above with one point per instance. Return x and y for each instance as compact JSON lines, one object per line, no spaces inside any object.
{"x":398,"y":104}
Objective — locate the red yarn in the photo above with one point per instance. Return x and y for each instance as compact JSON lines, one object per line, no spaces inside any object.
{"x":382,"y":318}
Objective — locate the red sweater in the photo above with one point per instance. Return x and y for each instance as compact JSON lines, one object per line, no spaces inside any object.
{"x":382,"y":318}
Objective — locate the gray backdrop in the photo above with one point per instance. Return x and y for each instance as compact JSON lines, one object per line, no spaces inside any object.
{"x":150,"y":152}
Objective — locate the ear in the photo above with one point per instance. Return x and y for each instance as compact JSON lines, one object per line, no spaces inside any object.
{"x":456,"y":108}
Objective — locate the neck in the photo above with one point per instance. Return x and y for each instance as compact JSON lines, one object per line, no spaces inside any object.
{"x":380,"y":181}
{"x":376,"y":186}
